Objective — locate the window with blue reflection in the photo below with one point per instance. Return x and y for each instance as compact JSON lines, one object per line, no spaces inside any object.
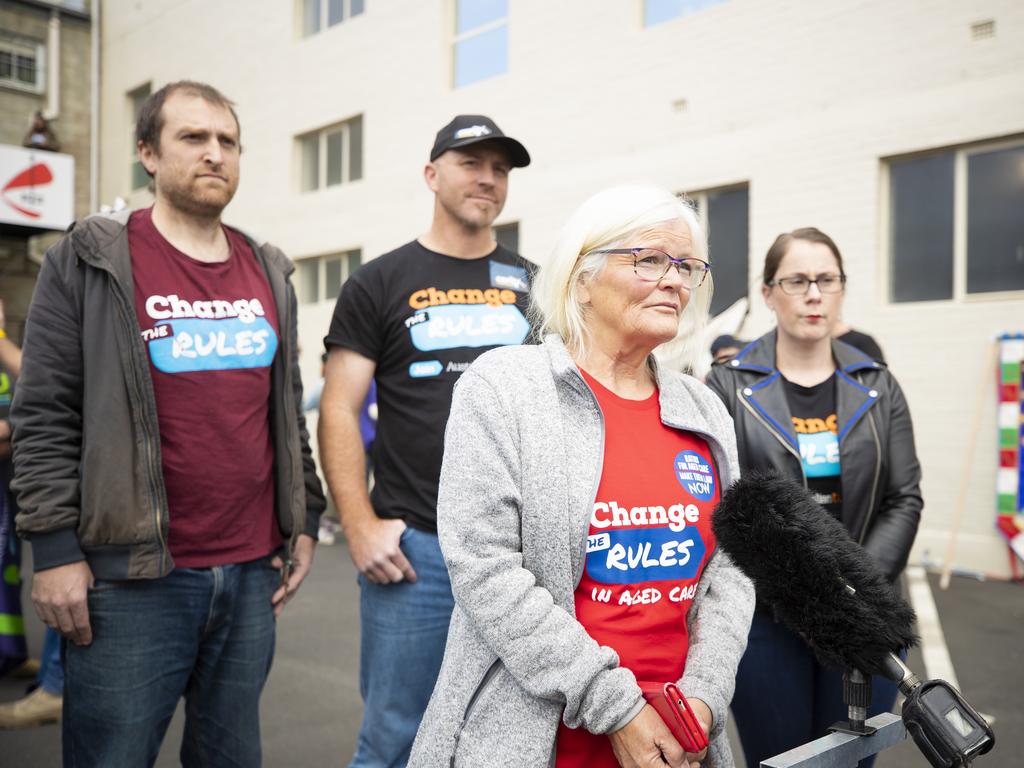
{"x":481,"y":40}
{"x":657,"y":11}
{"x":470,"y":14}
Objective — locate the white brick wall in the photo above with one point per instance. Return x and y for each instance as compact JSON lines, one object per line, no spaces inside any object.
{"x":802,"y":99}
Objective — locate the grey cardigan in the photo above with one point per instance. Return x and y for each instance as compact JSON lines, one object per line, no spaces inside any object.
{"x":523,"y":457}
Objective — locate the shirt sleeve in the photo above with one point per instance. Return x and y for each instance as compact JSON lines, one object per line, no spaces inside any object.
{"x":357,"y":322}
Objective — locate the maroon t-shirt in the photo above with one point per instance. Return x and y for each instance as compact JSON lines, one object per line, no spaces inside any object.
{"x":211,"y":332}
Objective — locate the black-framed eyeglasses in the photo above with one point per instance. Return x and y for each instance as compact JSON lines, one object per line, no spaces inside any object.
{"x":651,"y":264}
{"x":799,"y":285}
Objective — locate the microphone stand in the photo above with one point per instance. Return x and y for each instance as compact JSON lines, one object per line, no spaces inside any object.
{"x":857,"y":698}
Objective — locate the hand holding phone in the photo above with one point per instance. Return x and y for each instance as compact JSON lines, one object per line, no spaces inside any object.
{"x":677,"y":714}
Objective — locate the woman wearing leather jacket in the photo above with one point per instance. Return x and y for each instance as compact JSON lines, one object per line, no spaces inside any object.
{"x":830,"y":417}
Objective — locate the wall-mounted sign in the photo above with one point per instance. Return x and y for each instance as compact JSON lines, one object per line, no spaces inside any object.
{"x":37,"y":189}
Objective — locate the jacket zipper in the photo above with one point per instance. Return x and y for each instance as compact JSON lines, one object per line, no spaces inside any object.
{"x":298,"y":525}
{"x":578,"y":577}
{"x":772,"y":431}
{"x":484,"y":681}
{"x":874,"y":484}
{"x":137,"y":391}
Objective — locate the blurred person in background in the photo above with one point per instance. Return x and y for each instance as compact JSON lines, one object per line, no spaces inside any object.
{"x":827,"y":415}
{"x":412,"y":321}
{"x":13,"y":651}
{"x":44,"y":701}
{"x":329,"y":521}
{"x":725,"y":347}
{"x":165,"y":481}
{"x":40,"y":135}
{"x":575,"y":507}
{"x":858,"y":339}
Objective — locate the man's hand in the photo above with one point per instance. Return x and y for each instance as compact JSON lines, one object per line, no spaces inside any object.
{"x":646,"y":742}
{"x":373,"y":545}
{"x":60,"y":597}
{"x":292,"y":578}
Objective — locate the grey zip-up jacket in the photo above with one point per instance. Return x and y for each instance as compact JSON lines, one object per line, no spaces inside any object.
{"x":523,"y":457}
{"x":880,"y":473}
{"x":87,"y":463}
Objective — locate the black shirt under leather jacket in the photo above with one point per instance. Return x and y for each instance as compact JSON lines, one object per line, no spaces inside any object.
{"x":878,"y":464}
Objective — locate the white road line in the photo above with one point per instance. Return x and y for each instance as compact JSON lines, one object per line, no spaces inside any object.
{"x":937,"y":662}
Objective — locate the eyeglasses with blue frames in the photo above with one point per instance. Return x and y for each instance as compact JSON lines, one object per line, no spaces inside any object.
{"x":798,"y":285}
{"x":652,"y":265}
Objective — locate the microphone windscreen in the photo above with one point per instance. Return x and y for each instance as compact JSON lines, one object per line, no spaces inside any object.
{"x":800,"y":559}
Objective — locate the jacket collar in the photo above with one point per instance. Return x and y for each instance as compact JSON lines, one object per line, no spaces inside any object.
{"x":759,"y":356}
{"x":768,"y":395}
{"x":676,"y":399}
{"x":96,"y":243}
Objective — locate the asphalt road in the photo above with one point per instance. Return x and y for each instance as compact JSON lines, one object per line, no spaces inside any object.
{"x":311,"y":706}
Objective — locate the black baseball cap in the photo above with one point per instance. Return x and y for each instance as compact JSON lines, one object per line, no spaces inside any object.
{"x":464,"y":130}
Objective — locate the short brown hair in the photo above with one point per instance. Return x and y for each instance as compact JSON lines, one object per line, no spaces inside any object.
{"x":783,"y":241}
{"x":151,"y":113}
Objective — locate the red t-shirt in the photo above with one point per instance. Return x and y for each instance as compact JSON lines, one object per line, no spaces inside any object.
{"x":650,"y":537}
{"x":211,"y":332}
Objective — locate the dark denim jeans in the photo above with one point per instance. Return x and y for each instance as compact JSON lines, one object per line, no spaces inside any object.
{"x":784,"y":698}
{"x":203,"y":633}
{"x":51,"y":667}
{"x":404,"y":630}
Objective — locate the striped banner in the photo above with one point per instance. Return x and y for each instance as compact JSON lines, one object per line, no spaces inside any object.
{"x":1010,"y":475}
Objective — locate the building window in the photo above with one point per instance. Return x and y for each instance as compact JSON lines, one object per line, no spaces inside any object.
{"x":955,"y":226}
{"x":318,"y":15}
{"x":508,"y":236}
{"x":657,"y":11}
{"x":725,"y":216}
{"x":21,"y":62}
{"x":136,"y":98}
{"x":332,"y":155}
{"x":481,"y":40}
{"x":319,"y":278}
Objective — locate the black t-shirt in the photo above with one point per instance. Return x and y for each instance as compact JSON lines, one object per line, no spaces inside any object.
{"x":424,"y":317}
{"x":814,"y":418}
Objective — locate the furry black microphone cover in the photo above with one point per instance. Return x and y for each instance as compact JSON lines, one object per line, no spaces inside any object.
{"x":800,"y":559}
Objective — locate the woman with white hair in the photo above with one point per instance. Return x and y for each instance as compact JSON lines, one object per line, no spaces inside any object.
{"x":574,"y":514}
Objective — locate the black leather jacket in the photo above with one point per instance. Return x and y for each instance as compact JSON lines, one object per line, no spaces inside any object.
{"x":878,"y":464}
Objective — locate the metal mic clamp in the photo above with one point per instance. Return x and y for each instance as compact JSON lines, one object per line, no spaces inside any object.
{"x":857,"y":698}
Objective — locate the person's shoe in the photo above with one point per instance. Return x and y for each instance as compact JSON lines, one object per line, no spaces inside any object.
{"x":326,"y":534}
{"x":38,"y":708}
{"x":27,"y":670}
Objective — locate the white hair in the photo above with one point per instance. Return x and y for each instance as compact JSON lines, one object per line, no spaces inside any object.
{"x":610,"y":219}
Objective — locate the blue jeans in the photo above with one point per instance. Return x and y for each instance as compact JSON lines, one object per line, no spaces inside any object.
{"x":51,"y":668}
{"x":203,"y":633}
{"x":784,"y":698}
{"x":404,"y":628}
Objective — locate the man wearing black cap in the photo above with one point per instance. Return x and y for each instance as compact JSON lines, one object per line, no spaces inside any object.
{"x":414,"y":319}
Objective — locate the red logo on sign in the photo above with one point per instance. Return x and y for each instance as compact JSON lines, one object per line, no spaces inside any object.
{"x":37,"y":175}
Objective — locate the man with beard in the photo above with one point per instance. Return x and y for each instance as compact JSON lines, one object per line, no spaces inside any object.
{"x":413,"y":320}
{"x":161,"y":456}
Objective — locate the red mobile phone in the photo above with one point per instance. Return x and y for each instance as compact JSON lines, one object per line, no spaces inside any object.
{"x":676,"y":712}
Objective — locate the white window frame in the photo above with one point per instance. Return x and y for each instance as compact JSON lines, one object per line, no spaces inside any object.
{"x":469,"y":33}
{"x":960,"y":294}
{"x":17,"y":45}
{"x":344,"y":127}
{"x":321,"y":275}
